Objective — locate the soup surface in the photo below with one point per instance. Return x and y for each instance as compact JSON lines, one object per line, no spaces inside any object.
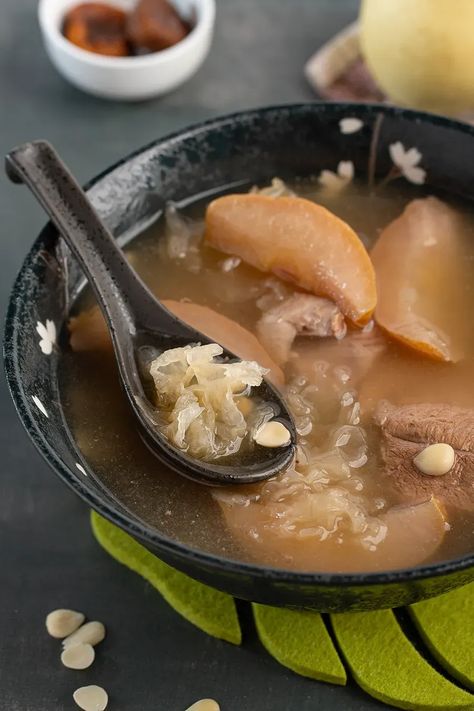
{"x":368,"y":395}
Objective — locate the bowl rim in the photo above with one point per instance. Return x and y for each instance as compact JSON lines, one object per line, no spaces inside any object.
{"x":143,"y":532}
{"x":205,"y":17}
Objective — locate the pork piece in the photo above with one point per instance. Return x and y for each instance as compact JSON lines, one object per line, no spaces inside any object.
{"x":407,"y":430}
{"x":299,"y":315}
{"x":155,"y":25}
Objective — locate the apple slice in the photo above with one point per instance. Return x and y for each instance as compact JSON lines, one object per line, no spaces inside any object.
{"x":88,"y":332}
{"x":299,"y":241}
{"x":420,"y":264}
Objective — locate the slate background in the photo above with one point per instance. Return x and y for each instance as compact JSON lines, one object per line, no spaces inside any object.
{"x":152,"y":660}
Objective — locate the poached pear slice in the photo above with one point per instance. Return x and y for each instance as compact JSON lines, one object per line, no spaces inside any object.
{"x":411,"y":534}
{"x":299,"y":241}
{"x":421,"y":273}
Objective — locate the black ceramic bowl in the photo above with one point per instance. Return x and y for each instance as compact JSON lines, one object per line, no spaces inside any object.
{"x":286,"y":141}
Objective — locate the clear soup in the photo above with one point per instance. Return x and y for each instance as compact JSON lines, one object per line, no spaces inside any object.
{"x":365,"y":402}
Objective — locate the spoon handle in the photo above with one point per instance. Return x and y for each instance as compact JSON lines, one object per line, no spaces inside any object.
{"x":135,"y":318}
{"x":127,"y":303}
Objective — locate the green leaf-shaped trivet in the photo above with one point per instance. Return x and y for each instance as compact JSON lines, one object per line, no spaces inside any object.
{"x":387,"y":666}
{"x":212,"y":611}
{"x":300,"y":641}
{"x":446,"y":624}
{"x":383,"y":661}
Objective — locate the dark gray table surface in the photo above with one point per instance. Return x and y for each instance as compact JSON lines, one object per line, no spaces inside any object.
{"x":152,"y":660}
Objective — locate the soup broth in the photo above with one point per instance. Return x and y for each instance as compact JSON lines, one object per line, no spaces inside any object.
{"x":346,"y":504}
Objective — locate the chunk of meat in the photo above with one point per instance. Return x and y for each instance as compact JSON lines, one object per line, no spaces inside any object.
{"x":88,"y":332}
{"x":154,"y":25}
{"x":407,"y":430}
{"x":97,"y":27}
{"x":299,"y":315}
{"x":293,"y":534}
{"x":421,"y":280}
{"x":299,"y":241}
{"x":355,"y":355}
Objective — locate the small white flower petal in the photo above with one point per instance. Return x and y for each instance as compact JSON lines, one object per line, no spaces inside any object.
{"x":345,"y":169}
{"x":415,"y":175}
{"x":407,"y":161}
{"x":350,"y":125}
{"x":51,"y":329}
{"x":41,"y":330}
{"x":48,"y":336}
{"x":412,"y":156}
{"x":329,"y":179}
{"x":337,"y":181}
{"x":46,"y":346}
{"x":397,"y":153}
{"x":39,"y":405}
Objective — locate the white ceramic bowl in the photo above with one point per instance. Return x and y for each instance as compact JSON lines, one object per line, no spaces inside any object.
{"x":128,"y":78}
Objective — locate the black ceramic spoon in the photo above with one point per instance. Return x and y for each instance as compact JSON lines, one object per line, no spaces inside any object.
{"x":134,"y":316}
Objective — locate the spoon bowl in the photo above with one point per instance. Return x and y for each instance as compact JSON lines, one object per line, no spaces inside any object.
{"x":135,"y":317}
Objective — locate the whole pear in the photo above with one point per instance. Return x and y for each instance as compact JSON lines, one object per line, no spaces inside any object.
{"x":421,"y":52}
